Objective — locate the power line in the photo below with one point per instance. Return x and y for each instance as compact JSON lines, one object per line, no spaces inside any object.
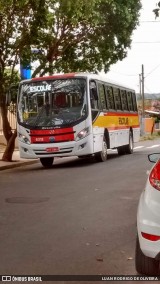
{"x":147,"y":88}
{"x":152,"y":70}
{"x":149,"y":21}
{"x":130,"y":75}
{"x":144,"y":42}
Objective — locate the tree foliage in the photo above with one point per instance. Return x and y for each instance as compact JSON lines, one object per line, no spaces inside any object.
{"x":86,"y":35}
{"x":157,"y":10}
{"x":68,"y":35}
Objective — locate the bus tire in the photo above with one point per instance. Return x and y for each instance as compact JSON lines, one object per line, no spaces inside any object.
{"x":102,"y":156}
{"x":130,"y":146}
{"x":47,"y":162}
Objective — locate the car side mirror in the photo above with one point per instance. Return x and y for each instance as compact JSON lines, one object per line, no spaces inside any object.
{"x":153,"y":158}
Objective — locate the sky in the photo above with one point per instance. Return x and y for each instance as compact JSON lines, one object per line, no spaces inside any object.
{"x":145,"y":49}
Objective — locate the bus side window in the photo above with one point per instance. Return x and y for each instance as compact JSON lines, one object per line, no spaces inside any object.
{"x":124,"y":100}
{"x":130,"y":103}
{"x":110,"y":97}
{"x":93,"y":95}
{"x":117,"y":98}
{"x":102,"y":97}
{"x":134,"y":101}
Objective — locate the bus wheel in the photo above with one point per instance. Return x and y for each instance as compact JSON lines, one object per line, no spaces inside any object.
{"x":47,"y":162}
{"x":130,"y":146}
{"x":102,"y":156}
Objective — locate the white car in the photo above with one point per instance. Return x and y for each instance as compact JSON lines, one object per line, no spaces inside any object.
{"x":147,"y":258}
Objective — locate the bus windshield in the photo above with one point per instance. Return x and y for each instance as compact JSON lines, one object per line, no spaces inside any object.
{"x":47,"y":104}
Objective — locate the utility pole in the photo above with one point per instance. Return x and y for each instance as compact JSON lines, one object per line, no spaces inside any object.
{"x":142,"y":117}
{"x":143,"y":114}
{"x":140,"y":85}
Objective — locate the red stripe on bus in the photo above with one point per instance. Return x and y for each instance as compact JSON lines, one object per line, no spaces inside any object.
{"x":120,"y":114}
{"x":60,"y":76}
{"x":52,"y":139}
{"x":51,"y":131}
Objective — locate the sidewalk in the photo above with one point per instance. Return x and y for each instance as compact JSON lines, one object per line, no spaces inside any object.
{"x":17,"y":161}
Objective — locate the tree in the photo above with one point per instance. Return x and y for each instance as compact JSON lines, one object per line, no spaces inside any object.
{"x":86,"y":35}
{"x":69,"y":35}
{"x":18,"y":20}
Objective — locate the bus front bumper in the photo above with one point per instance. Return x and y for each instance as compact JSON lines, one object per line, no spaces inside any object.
{"x":65,"y":149}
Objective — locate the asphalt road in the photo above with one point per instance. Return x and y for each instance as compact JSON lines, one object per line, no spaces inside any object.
{"x":78,"y":218}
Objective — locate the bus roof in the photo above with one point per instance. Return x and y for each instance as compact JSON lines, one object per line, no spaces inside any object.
{"x":80,"y":74}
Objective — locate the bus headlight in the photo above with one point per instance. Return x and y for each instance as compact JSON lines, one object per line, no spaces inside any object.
{"x":83,"y":133}
{"x":24,"y":138}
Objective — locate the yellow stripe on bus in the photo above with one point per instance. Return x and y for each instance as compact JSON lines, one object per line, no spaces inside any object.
{"x":117,"y":121}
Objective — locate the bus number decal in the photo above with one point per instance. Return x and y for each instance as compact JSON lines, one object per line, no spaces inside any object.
{"x":123,"y":121}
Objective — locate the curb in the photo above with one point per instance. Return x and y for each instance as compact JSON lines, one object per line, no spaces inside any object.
{"x":17,"y":164}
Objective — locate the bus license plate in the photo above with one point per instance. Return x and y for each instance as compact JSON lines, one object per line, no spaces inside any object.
{"x":53,"y":149}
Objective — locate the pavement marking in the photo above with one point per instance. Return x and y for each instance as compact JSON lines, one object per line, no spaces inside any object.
{"x":138,"y":147}
{"x":153,"y":146}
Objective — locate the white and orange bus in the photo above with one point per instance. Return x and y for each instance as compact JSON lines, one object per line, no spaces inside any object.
{"x":75,"y":114}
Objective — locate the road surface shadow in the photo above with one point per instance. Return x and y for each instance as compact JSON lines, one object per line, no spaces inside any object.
{"x":72,"y":162}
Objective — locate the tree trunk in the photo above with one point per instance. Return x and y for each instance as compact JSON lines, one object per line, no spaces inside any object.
{"x":9,"y":135}
{"x":8,"y":153}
